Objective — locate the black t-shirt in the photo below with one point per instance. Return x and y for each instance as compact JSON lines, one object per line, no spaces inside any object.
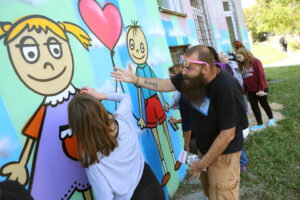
{"x":222,"y":109}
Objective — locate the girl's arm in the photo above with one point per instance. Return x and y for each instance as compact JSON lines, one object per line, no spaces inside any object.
{"x":123,"y":99}
{"x":260,"y":73}
{"x":125,"y":102}
{"x":124,"y":108}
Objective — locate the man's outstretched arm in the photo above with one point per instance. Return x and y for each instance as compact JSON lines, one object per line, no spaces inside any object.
{"x":129,"y":76}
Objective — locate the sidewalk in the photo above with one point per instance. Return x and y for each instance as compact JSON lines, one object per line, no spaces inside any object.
{"x":294,"y":59}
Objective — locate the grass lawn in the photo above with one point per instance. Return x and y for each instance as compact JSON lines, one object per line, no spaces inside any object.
{"x":267,"y":53}
{"x":294,"y":45}
{"x":274,"y":154}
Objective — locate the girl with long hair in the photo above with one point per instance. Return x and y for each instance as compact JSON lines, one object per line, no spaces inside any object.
{"x":109,"y":149}
{"x":256,"y":85}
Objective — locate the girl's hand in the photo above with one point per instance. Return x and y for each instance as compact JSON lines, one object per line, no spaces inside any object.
{"x":93,"y":92}
{"x":260,"y":93}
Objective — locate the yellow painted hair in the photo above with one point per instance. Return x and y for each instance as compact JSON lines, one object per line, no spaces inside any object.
{"x":39,"y":23}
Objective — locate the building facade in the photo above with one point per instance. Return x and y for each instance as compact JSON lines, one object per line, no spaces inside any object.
{"x":215,"y":23}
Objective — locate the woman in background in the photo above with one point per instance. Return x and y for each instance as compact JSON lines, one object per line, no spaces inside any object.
{"x":256,"y":85}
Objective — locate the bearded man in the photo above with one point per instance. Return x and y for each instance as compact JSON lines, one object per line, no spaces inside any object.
{"x":217,"y":118}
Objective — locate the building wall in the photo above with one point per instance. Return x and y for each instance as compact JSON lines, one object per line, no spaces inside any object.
{"x":219,"y":24}
{"x":181,"y":30}
{"x":242,"y":24}
{"x":92,"y":68}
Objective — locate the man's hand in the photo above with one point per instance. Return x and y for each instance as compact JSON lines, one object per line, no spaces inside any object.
{"x":141,"y":123}
{"x":166,"y":106}
{"x":260,"y":93}
{"x":196,"y":168}
{"x":127,"y":76}
{"x":93,"y":92}
{"x":173,"y":119}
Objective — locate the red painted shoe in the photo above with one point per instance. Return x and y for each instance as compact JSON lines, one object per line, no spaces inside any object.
{"x":177,"y":165}
{"x":165,"y":179}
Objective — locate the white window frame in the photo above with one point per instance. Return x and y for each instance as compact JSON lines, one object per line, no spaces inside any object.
{"x":231,"y":13}
{"x":174,"y":5}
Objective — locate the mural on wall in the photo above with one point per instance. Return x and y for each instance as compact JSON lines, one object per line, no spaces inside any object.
{"x":155,"y":113}
{"x":39,"y":66}
{"x":40,"y":54}
{"x":105,"y":23}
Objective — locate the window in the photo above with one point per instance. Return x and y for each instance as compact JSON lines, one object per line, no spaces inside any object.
{"x":232,"y":25}
{"x":230,"y":29}
{"x":173,"y":5}
{"x":201,"y":22}
{"x":226,"y":5}
{"x":176,"y":52}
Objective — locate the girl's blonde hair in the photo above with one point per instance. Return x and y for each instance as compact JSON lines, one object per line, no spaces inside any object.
{"x":222,"y":54}
{"x":41,"y":23}
{"x":248,"y":58}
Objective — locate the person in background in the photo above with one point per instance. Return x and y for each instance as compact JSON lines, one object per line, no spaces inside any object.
{"x":255,"y":85}
{"x":234,"y":67}
{"x":218,"y":62}
{"x":283,"y":43}
{"x":237,"y":75}
{"x":239,"y":78}
{"x":237,"y":44}
{"x":109,"y":149}
{"x":178,"y":102}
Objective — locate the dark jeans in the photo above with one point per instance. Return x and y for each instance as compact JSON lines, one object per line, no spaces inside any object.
{"x":243,"y":158}
{"x":263,"y":101}
{"x":148,"y":187}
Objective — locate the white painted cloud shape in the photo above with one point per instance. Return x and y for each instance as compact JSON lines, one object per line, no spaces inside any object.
{"x":7,"y":146}
{"x":110,"y":87}
{"x":177,"y":32}
{"x":95,"y":42}
{"x":155,"y":29}
{"x":122,"y":39}
{"x":225,"y":42}
{"x":157,"y":57}
{"x":34,"y":1}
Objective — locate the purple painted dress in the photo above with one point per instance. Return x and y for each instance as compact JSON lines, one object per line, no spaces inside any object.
{"x":56,"y":175}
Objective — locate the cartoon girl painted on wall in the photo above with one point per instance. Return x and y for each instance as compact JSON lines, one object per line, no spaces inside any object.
{"x":40,"y":53}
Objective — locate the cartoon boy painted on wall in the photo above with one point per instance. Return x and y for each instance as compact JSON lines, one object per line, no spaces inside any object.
{"x":40,"y":53}
{"x":155,"y":114}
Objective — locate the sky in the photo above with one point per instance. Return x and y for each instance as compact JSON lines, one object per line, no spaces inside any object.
{"x":247,"y":3}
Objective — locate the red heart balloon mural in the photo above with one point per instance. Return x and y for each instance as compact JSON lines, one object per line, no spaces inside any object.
{"x":105,"y":23}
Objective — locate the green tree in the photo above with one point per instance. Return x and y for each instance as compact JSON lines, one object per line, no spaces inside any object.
{"x":276,"y":16}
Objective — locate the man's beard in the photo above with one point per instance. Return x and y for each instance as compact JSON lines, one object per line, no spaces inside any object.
{"x":193,"y":89}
